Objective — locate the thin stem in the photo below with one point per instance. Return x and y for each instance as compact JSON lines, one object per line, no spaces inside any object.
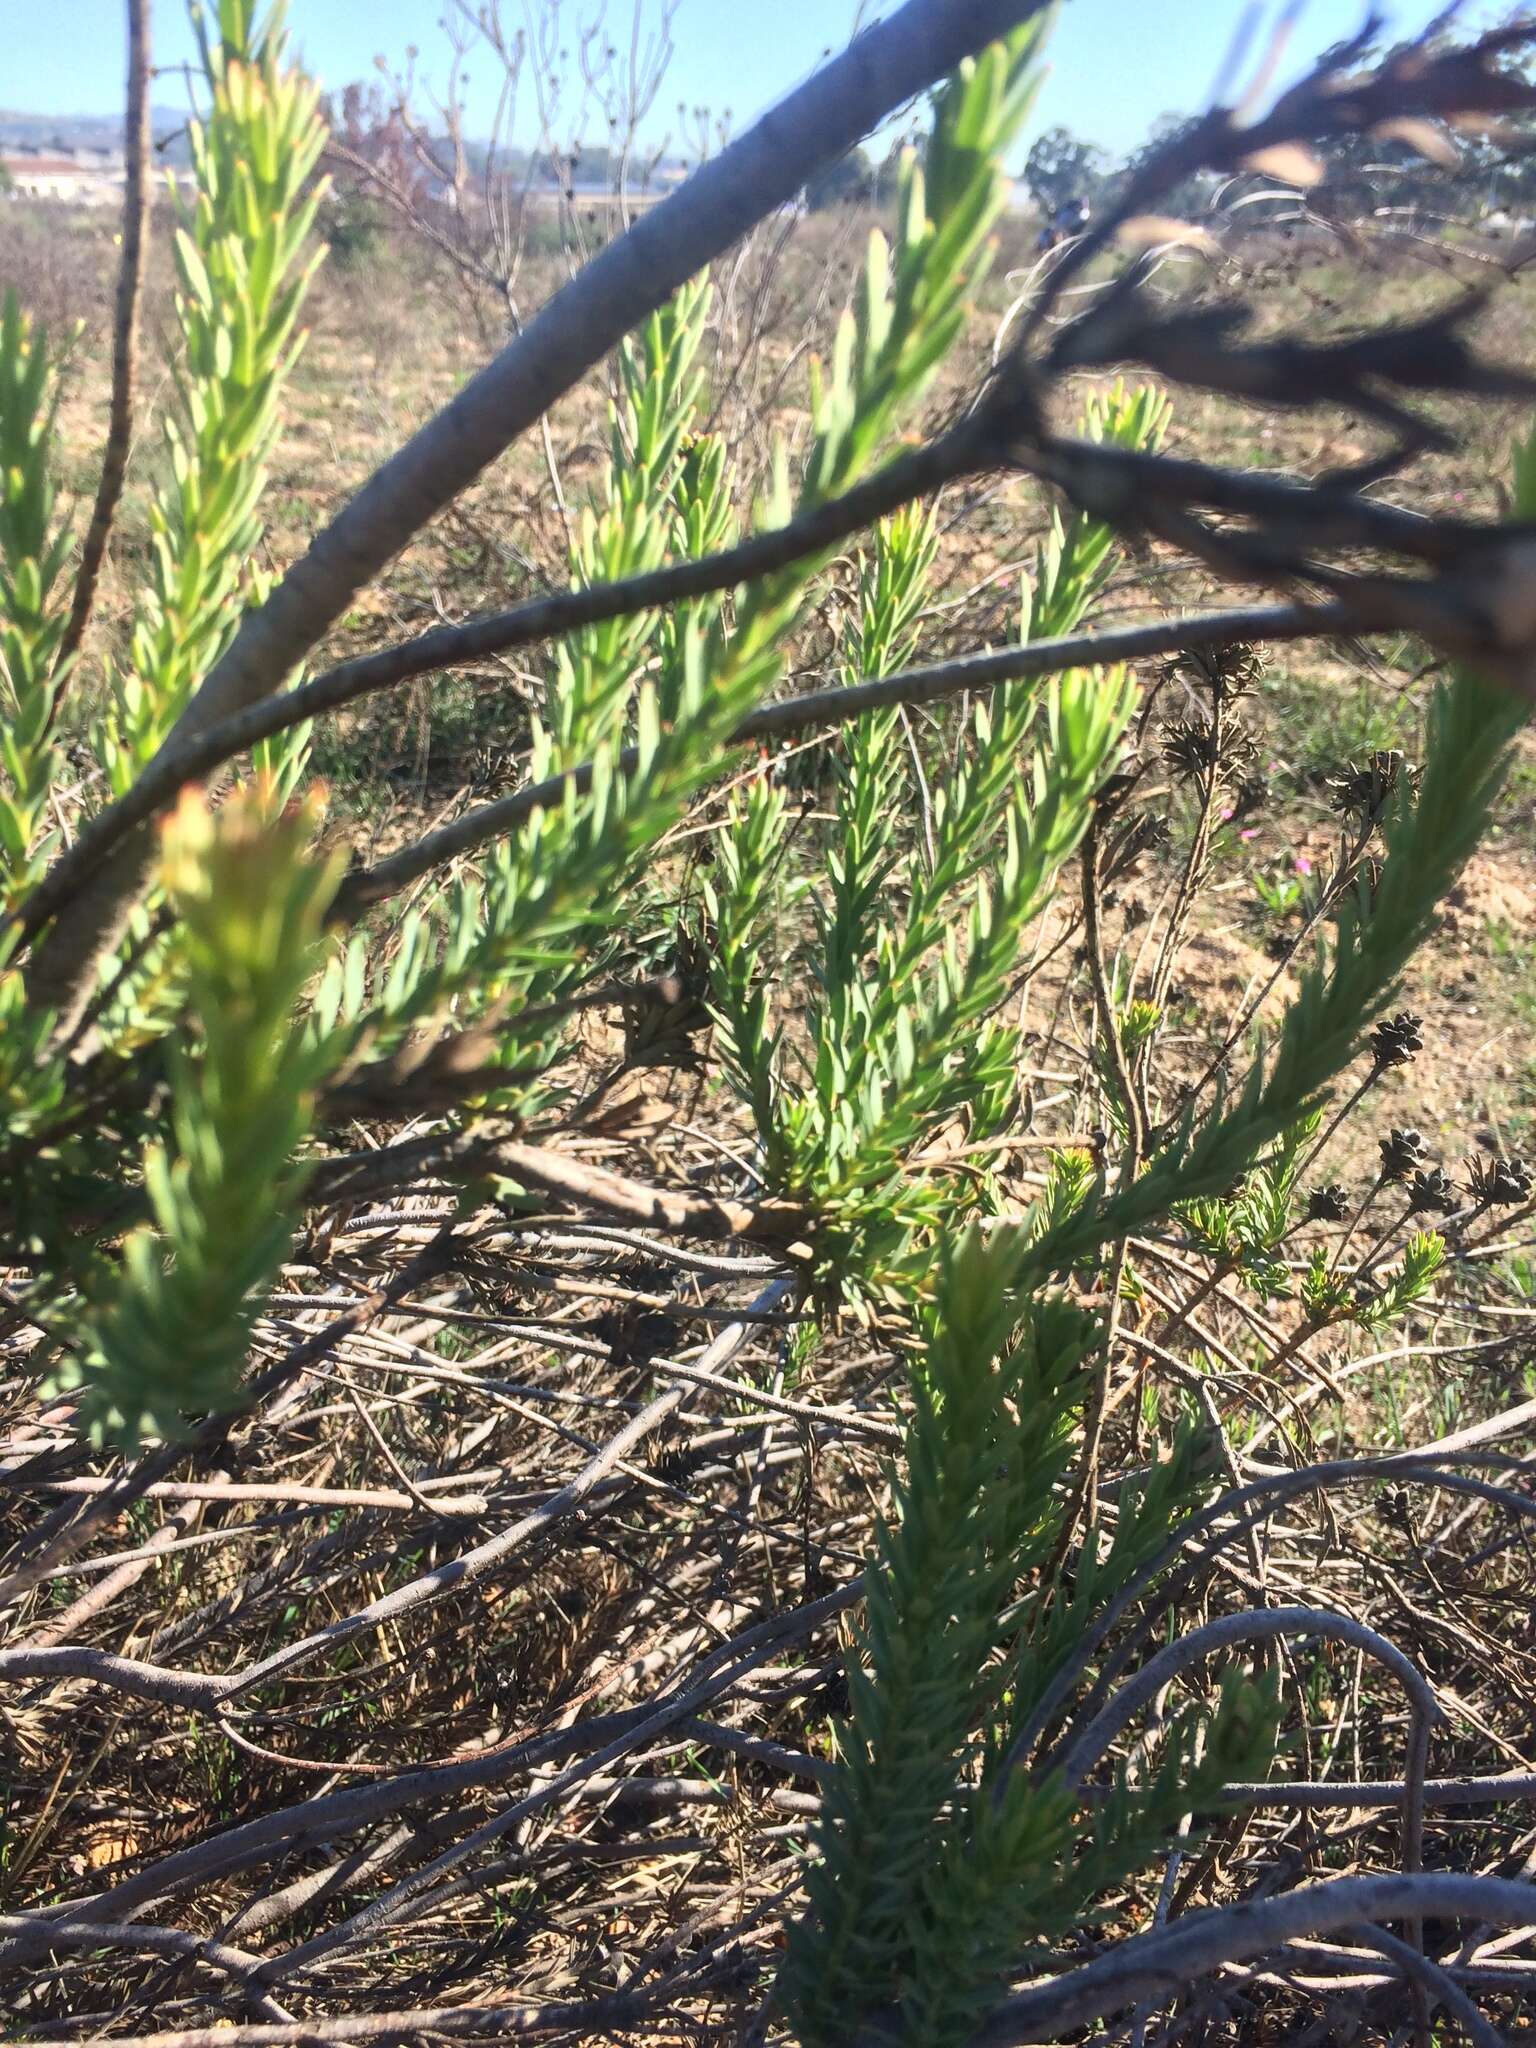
{"x":1082,"y":1497}
{"x":1336,"y":1119}
{"x":547,"y":618}
{"x":125,"y":333}
{"x":1348,"y":868}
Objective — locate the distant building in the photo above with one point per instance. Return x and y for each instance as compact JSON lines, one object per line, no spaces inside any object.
{"x":79,"y":177}
{"x":76,"y":177}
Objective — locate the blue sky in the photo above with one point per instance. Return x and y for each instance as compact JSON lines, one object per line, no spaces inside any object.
{"x":1116,"y":64}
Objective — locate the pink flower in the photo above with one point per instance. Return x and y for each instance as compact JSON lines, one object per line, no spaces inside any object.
{"x":1302,"y":865}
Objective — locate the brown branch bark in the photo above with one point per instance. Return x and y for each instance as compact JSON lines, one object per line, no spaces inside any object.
{"x":553,"y":1173}
{"x":1151,"y":1966}
{"x":448,"y":646}
{"x":125,"y":336}
{"x":488,"y":822}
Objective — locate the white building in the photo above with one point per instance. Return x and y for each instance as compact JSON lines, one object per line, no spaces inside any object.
{"x":81,"y":178}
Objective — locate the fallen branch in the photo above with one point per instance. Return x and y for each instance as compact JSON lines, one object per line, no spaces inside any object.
{"x":1154,"y":1967}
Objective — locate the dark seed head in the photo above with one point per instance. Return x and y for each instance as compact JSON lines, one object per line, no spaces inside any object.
{"x":1328,"y":1204}
{"x":1396,"y":1039}
{"x":1402,"y":1153}
{"x":1365,"y":789}
{"x":1433,"y":1191}
{"x":1191,"y":747}
{"x":1230,"y":671}
{"x":1500,"y":1183}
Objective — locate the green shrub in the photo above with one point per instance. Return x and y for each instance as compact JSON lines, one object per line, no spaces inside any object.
{"x":169,"y":1143}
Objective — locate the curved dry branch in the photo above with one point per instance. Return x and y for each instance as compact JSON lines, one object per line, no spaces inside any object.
{"x":174,"y":1942}
{"x":128,"y":1675}
{"x":1438,"y":1983}
{"x":1270,"y":1625}
{"x":582,"y":2019}
{"x":1260,"y":1499}
{"x":491,"y":821}
{"x":1155,"y":1966}
{"x":1260,"y":1625}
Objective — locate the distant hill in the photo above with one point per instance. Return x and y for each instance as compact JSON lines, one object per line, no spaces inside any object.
{"x":168,"y":125}
{"x":89,"y":131}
